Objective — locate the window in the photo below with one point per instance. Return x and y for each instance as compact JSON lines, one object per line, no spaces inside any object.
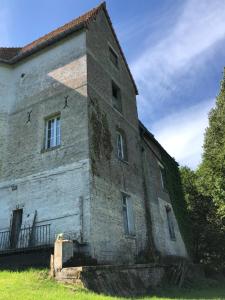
{"x":170,"y":222}
{"x":121,"y":146}
{"x":128,"y":215}
{"x":116,"y":97}
{"x":162,"y":176}
{"x":113,"y":57}
{"x":52,"y":130}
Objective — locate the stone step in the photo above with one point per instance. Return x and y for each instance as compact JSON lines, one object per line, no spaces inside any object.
{"x":115,"y":280}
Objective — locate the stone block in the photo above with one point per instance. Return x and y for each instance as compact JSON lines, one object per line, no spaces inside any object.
{"x":63,"y":251}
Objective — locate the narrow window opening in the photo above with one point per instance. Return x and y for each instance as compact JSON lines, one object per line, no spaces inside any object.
{"x":163,"y":177}
{"x":121,"y":146}
{"x":116,"y":97}
{"x":170,"y":223}
{"x":113,"y":57}
{"x":128,"y":215}
{"x":125,"y":217}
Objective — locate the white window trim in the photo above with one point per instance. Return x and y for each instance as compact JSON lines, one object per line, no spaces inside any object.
{"x":120,"y":151}
{"x":56,"y":132}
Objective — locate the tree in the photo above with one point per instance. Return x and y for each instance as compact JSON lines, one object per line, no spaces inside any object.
{"x":211,"y":173}
{"x":205,"y":191}
{"x":206,"y":234}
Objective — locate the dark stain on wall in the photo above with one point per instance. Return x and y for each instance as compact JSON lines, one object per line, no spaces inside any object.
{"x":106,"y":137}
{"x":101,"y":143}
{"x":150,"y":253}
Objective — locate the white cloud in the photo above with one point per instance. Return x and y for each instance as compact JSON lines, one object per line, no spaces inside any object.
{"x":164,"y":71}
{"x":182,"y":133}
{"x":199,"y":28}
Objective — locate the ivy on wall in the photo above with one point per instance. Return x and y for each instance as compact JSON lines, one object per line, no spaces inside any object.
{"x":174,"y":187}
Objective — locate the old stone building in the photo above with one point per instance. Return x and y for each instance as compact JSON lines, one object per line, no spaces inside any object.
{"x":74,"y":158}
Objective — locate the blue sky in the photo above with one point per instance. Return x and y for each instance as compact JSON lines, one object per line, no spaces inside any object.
{"x":175,"y":49}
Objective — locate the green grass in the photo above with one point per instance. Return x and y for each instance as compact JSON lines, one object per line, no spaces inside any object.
{"x":35,"y":285}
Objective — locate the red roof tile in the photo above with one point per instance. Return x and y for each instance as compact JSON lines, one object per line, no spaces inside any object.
{"x":82,"y":20}
{"x":8,"y":53}
{"x":13,"y":54}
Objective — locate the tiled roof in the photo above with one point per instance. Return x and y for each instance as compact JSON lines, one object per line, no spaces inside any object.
{"x":8,"y":53}
{"x":13,"y":55}
{"x":67,"y":28}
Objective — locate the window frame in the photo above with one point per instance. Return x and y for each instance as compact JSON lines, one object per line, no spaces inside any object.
{"x":116,"y":101}
{"x":128,"y":215}
{"x":55,"y":132}
{"x":162,"y":176}
{"x":113,"y":54}
{"x":121,"y":148}
{"x":170,"y":223}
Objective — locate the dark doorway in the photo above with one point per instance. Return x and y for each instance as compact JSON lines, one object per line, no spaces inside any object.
{"x":15,"y":227}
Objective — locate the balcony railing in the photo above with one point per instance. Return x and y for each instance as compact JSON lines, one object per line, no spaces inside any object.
{"x":30,"y":237}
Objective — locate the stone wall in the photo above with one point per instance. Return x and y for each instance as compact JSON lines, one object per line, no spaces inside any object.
{"x":125,"y":281}
{"x":38,"y":259}
{"x":158,"y":199}
{"x":53,"y":183}
{"x":6,"y":98}
{"x":110,"y":176}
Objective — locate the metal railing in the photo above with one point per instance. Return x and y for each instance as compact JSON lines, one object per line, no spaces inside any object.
{"x":30,"y":237}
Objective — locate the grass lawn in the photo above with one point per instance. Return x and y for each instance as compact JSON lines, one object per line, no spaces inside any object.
{"x":35,"y":285}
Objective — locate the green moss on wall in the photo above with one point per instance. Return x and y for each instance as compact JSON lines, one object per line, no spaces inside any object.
{"x":174,"y":187}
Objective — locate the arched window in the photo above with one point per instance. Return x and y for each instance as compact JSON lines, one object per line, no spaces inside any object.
{"x":121,"y":145}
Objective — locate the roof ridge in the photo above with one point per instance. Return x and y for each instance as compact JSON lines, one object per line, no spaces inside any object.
{"x":51,"y":36}
{"x":12,"y":55}
{"x":89,"y":14}
{"x":7,"y":53}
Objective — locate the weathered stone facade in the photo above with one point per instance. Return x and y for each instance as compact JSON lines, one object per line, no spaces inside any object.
{"x":76,"y":187}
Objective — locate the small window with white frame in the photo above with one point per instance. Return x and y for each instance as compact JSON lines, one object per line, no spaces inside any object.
{"x":128,"y":215}
{"x":121,"y":146}
{"x":169,"y":215}
{"x":52,"y":132}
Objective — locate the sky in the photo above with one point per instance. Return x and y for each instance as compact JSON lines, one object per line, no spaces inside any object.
{"x":175,"y":50}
